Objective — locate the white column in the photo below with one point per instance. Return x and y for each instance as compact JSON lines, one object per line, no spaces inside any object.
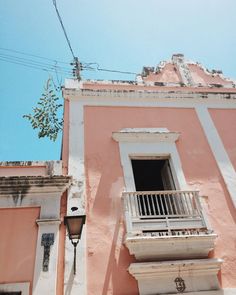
{"x":76,"y":284}
{"x":224,"y":164}
{"x":45,"y":281}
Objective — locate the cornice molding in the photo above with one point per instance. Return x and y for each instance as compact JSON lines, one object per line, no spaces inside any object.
{"x":145,"y":135}
{"x":179,"y":94}
{"x":195,"y":267}
{"x":33,"y":184}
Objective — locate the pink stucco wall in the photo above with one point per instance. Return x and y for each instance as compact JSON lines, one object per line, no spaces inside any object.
{"x":23,"y":170}
{"x":107,"y":256}
{"x":18,"y":244}
{"x":225,"y":122}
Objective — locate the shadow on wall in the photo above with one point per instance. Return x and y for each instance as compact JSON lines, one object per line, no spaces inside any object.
{"x":118,"y":264}
{"x":70,"y":282}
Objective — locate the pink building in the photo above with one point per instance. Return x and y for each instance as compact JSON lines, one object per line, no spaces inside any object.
{"x":152,"y":164}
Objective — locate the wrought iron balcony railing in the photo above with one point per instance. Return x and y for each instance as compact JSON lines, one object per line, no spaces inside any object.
{"x":163,"y":211}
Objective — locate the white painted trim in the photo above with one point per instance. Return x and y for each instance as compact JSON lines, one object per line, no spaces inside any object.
{"x":158,"y":277}
{"x":145,"y":135}
{"x":190,"y":267}
{"x":228,"y":291}
{"x":152,"y":248}
{"x":48,"y":221}
{"x":76,"y":284}
{"x":16,"y":287}
{"x":211,"y":292}
{"x":45,"y":282}
{"x":222,"y":159}
{"x":150,"y":98}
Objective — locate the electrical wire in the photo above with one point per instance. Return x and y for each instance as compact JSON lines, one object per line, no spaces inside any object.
{"x":87,"y":66}
{"x":34,"y":66}
{"x":32,"y":61}
{"x":33,"y":55}
{"x":63,"y":27}
{"x":116,"y":71}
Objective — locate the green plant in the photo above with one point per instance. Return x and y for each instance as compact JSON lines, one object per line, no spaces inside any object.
{"x":45,"y":116}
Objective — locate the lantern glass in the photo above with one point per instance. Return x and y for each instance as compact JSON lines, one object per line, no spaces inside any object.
{"x":74,"y":225}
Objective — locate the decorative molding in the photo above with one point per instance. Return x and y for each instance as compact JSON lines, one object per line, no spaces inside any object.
{"x":49,"y":168}
{"x":16,"y":287}
{"x":179,"y":61}
{"x":203,"y":95}
{"x":23,"y":185}
{"x":170,"y":247}
{"x":48,"y":221}
{"x":159,"y":277}
{"x":175,"y":267}
{"x":145,"y":135}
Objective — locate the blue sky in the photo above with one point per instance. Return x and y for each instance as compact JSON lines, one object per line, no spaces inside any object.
{"x":123,"y":35}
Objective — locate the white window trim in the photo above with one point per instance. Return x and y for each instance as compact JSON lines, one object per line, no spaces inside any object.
{"x":149,"y":142}
{"x":16,"y":287}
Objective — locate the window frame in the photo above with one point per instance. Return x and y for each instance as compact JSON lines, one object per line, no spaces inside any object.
{"x":16,"y":287}
{"x":148,"y":143}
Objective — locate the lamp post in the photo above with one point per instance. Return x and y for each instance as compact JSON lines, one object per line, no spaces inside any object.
{"x":74,"y":225}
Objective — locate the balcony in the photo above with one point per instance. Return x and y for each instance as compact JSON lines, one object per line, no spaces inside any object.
{"x":166,"y":225}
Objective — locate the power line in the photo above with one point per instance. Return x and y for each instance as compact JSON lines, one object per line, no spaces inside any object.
{"x":116,"y":71}
{"x":77,"y":64}
{"x":7,"y":59}
{"x":47,"y":69}
{"x":32,"y":61}
{"x":63,"y":28}
{"x":33,"y":55}
{"x":87,"y":66}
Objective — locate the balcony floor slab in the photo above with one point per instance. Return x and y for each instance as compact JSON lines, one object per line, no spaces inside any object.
{"x":154,"y":248}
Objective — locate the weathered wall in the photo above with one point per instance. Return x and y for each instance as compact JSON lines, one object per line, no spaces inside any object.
{"x":18,"y":244}
{"x":225,"y":122}
{"x":61,"y":250}
{"x":107,"y":256}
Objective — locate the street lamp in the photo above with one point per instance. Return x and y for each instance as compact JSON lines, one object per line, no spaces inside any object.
{"x":74,"y":225}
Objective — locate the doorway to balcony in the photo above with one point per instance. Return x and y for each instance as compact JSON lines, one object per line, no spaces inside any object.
{"x":153,"y":174}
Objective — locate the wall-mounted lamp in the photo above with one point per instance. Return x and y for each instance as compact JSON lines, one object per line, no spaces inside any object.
{"x":74,"y":225}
